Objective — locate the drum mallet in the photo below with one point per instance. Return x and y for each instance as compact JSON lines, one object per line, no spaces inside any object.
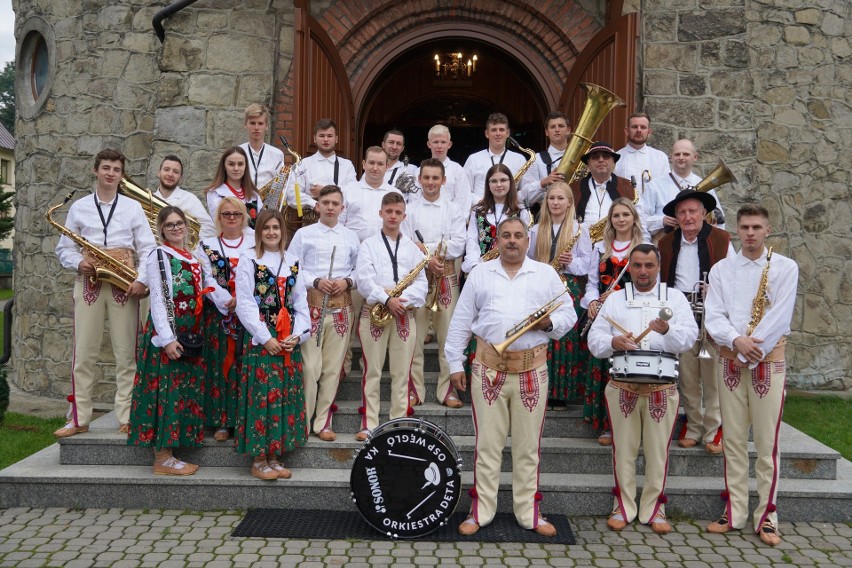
{"x":665,"y":315}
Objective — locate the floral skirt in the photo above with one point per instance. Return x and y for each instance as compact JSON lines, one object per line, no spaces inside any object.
{"x":166,"y":409}
{"x":271,"y":405}
{"x":568,"y":357}
{"x":221,"y":388}
{"x":594,"y":404}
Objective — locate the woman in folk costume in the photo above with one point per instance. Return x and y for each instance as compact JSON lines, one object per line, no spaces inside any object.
{"x":609,"y":258}
{"x":166,"y":411}
{"x":499,"y":201}
{"x":558,"y":237}
{"x":272,"y":306}
{"x":234,"y":179}
{"x":222,"y":329}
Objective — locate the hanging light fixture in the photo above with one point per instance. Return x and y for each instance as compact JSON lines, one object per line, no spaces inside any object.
{"x":455,"y":66}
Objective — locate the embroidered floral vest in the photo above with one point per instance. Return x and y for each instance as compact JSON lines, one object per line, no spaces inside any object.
{"x":266,"y":292}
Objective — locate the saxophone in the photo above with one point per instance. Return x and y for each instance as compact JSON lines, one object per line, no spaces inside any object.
{"x":525,"y":167}
{"x":596,"y":231}
{"x":380,"y":316}
{"x":570,"y":245}
{"x":272,"y":193}
{"x":107,"y":268}
{"x":151,"y":205}
{"x":761,"y":300}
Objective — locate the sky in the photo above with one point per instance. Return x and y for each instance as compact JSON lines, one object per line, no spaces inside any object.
{"x":7,"y":32}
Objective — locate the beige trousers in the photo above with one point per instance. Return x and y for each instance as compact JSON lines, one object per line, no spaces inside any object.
{"x":322,"y":366}
{"x":699,"y":395}
{"x":449,"y":290}
{"x":752,"y":398}
{"x":398,"y":337}
{"x":357,"y":304}
{"x":646,"y":422}
{"x":505,"y":403}
{"x":92,"y":306}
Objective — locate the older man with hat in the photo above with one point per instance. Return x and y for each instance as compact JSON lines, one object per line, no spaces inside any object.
{"x":595,"y":193}
{"x":687,"y":255}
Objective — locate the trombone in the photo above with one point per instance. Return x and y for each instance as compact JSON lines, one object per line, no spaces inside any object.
{"x":435,"y":281}
{"x":529,"y":322}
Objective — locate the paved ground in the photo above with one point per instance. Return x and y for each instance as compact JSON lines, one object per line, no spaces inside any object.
{"x":134,"y":538}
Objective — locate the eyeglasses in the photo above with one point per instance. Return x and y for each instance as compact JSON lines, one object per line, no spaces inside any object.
{"x":231,"y":214}
{"x":497,"y":181}
{"x":174,"y":226}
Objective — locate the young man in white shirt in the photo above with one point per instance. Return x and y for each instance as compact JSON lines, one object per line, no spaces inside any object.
{"x":313,"y":246}
{"x":439,"y":220}
{"x":265,"y":160}
{"x":497,"y":133}
{"x":323,"y":168}
{"x":637,"y":156}
{"x":749,"y":307}
{"x":169,"y":176}
{"x":393,"y":144}
{"x":117,"y":226}
{"x":456,"y":188}
{"x":543,"y":171}
{"x":384,"y":260}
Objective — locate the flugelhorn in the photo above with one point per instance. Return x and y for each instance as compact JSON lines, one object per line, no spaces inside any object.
{"x":435,"y":281}
{"x":529,"y":322}
{"x":697,"y":305}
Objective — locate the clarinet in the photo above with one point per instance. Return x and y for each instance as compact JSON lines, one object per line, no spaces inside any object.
{"x":325,"y":299}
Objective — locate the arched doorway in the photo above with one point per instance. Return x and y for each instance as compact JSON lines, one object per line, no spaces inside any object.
{"x":408,"y":95}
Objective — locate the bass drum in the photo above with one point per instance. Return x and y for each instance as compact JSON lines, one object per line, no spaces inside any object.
{"x":406,"y":480}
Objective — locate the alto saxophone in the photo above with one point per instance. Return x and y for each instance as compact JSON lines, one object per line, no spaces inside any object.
{"x":492,"y":253}
{"x":107,"y":269}
{"x":530,"y":160}
{"x":596,"y":231}
{"x":761,"y":300}
{"x":380,"y":316}
{"x":570,"y":245}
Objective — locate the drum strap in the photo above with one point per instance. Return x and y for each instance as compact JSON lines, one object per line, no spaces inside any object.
{"x":649,"y":305}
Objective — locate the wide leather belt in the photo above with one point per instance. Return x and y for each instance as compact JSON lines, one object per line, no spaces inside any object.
{"x":334,"y":302}
{"x":641,"y":388}
{"x":777,"y":354}
{"x":511,"y":361}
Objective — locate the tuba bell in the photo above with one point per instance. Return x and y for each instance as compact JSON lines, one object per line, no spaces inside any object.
{"x":720,"y":175}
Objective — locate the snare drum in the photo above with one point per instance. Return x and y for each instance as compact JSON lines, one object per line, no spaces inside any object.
{"x":644,"y":367}
{"x":406,"y":480}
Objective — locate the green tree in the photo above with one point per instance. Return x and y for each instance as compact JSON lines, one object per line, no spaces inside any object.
{"x":7,"y":97}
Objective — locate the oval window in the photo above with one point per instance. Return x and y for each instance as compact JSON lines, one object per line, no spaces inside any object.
{"x":35,"y":66}
{"x":41,"y":59}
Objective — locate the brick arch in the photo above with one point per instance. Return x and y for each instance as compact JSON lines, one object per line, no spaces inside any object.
{"x":545,"y":39}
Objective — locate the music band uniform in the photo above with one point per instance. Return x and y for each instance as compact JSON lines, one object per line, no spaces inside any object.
{"x":441,"y":219}
{"x":253,"y":203}
{"x":312,"y":246}
{"x":593,"y":200}
{"x":318,"y":169}
{"x":375,"y":276}
{"x":457,"y":186}
{"x":752,"y":395}
{"x":512,"y":401}
{"x":121,"y":229}
{"x":264,"y":164}
{"x":634,"y":161}
{"x":642,"y":415}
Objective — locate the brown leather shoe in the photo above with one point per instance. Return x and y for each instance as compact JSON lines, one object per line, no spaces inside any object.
{"x":261,"y":470}
{"x":769,"y":534}
{"x":70,"y":430}
{"x":687,"y":443}
{"x":468,"y":527}
{"x":605,"y":439}
{"x":362,"y":435}
{"x":327,"y":435}
{"x":173,"y":466}
{"x":453,"y":401}
{"x":413,"y":400}
{"x":545,"y":528}
{"x":221,"y":435}
{"x":283,"y":472}
{"x":616,"y":521}
{"x":660,"y":525}
{"x":712,"y":448}
{"x":721,"y":526}
{"x":124,"y":429}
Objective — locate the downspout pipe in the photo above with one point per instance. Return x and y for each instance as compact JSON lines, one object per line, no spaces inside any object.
{"x":169,"y":10}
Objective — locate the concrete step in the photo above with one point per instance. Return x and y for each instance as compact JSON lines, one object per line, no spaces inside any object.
{"x":40,"y":481}
{"x":801,"y":459}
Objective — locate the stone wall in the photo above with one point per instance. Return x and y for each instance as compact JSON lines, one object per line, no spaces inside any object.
{"x":765,"y":85}
{"x":116,"y":86}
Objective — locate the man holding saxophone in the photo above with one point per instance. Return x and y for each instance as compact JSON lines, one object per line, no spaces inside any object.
{"x":750,"y":304}
{"x":116,"y":226}
{"x":509,"y":387}
{"x":687,"y":255}
{"x":441,"y":223}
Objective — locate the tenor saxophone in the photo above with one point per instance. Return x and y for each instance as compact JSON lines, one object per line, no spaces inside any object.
{"x":761,"y":300}
{"x":380,"y":316}
{"x":273,"y":192}
{"x":107,"y":268}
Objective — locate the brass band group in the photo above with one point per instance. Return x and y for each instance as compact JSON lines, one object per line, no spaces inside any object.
{"x":579,"y":272}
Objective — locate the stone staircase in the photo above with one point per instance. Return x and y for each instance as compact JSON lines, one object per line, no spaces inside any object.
{"x":98,"y":470}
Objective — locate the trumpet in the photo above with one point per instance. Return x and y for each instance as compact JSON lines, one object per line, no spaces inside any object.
{"x":435,"y":281}
{"x":529,"y":322}
{"x":697,"y":304}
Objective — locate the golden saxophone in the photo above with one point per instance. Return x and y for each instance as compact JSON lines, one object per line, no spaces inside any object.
{"x":151,"y":205}
{"x":557,"y":266}
{"x":435,"y":281}
{"x":493,"y":253}
{"x":520,"y":173}
{"x":273,"y":192}
{"x":107,"y":268}
{"x":380,"y":316}
{"x":761,"y":300}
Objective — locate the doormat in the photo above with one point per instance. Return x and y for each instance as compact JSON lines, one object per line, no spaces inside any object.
{"x":339,"y":525}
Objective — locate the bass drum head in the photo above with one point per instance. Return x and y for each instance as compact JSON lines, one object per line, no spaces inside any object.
{"x":406,"y":479}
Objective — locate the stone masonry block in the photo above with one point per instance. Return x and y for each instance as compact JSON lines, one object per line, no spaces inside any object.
{"x":239,"y":55}
{"x":670,"y":56}
{"x":183,"y":125}
{"x":711,"y":24}
{"x":206,"y":89}
{"x":810,"y":16}
{"x":797,"y":35}
{"x":685,"y":112}
{"x":181,"y":54}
